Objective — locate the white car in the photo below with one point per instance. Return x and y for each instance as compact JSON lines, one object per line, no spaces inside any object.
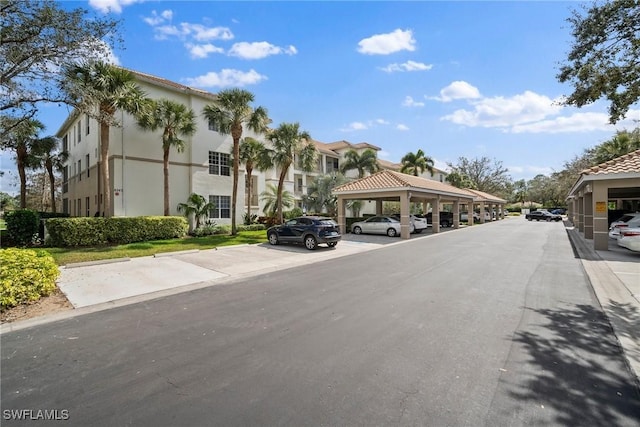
{"x":630,"y":238}
{"x":419,"y":223}
{"x":464,"y":216}
{"x":379,"y":225}
{"x":622,"y":223}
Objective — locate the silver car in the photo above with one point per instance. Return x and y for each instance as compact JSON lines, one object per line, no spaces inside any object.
{"x":379,"y":225}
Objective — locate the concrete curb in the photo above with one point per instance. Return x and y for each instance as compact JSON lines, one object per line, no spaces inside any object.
{"x":100,"y":262}
{"x":176,"y":253}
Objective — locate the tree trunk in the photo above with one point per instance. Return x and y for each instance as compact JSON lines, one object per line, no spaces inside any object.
{"x":249,"y":172}
{"x":104,"y":154}
{"x":52,"y":184}
{"x":21,"y":154}
{"x":165,"y":160}
{"x":283,"y":174}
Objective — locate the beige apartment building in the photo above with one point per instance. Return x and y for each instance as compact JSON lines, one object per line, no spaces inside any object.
{"x":204,"y":167}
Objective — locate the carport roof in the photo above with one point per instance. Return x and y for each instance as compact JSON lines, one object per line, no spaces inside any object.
{"x":626,"y":166}
{"x":391,"y":180}
{"x":481,"y":196}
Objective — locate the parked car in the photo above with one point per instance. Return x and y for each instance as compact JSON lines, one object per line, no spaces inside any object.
{"x":379,"y":225}
{"x":446,"y":219}
{"x":542,"y":215}
{"x":419,"y":223}
{"x":630,"y":238}
{"x":622,"y":223}
{"x":308,"y":230}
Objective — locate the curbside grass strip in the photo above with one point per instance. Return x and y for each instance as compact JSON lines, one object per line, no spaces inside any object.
{"x":102,"y":261}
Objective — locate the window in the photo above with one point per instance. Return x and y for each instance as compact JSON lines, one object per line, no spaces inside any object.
{"x":332,"y":165}
{"x":65,"y":180}
{"x":65,"y":206}
{"x":87,"y":124}
{"x":213,"y":126}
{"x":79,"y":131}
{"x":65,"y":143}
{"x":219,"y":163}
{"x":79,"y":170}
{"x":86,"y":202}
{"x":222,"y":208}
{"x":79,"y":213}
{"x":87,"y":166}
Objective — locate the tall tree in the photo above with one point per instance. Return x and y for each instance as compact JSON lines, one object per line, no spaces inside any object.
{"x":622,"y":143}
{"x":51,"y":159}
{"x":459,"y":179}
{"x":270,"y":197}
{"x":36,"y":38}
{"x":196,"y":206}
{"x":228,"y":114}
{"x":365,"y":162}
{"x":253,"y":155}
{"x":289,"y":143}
{"x":319,"y":196}
{"x":483,"y":174}
{"x":20,"y":140}
{"x":100,"y":89}
{"x":175,"y":120}
{"x":416,"y":163}
{"x":603,"y":60}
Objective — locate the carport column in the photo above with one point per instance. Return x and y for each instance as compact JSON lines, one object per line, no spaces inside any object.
{"x":482,"y":210}
{"x":405,"y":232}
{"x":435,"y":215}
{"x":600,"y":216}
{"x":581,"y":212}
{"x":588,"y":215}
{"x":456,"y":214}
{"x":342,"y":215}
{"x":378,"y":207}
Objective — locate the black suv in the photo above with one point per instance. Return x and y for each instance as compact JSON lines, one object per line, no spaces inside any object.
{"x":309,"y":230}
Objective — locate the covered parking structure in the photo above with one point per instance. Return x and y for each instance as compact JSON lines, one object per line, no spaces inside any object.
{"x":613,"y":184}
{"x":390,"y":185}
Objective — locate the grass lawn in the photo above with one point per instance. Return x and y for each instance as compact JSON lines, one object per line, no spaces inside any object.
{"x":64,"y":256}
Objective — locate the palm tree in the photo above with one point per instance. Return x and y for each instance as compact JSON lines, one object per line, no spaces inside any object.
{"x":365,"y":162}
{"x":197,"y":206}
{"x":21,"y":138}
{"x":270,"y":199}
{"x":175,"y":120}
{"x":622,"y":143}
{"x":48,"y":156}
{"x":253,"y":155}
{"x":99,"y":89}
{"x":319,"y":193}
{"x":228,"y":114}
{"x":415,"y":164}
{"x":288,"y":143}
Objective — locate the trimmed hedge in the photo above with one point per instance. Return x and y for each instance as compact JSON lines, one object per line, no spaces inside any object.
{"x":22,"y":226}
{"x":96,"y":231}
{"x":25,"y":276}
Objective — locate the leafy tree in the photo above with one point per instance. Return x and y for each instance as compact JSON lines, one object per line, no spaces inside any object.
{"x":355,"y":206}
{"x":319,"y":196}
{"x":36,"y":38}
{"x":622,"y":143}
{"x":603,"y":61}
{"x":175,"y":120}
{"x":482,"y":173}
{"x":365,"y":162}
{"x":459,"y":179}
{"x":228,"y":114}
{"x":272,"y":199}
{"x":20,"y":140}
{"x":51,"y":159}
{"x":253,"y":154}
{"x":99,"y":90}
{"x":416,"y":163}
{"x":196,"y":206}
{"x":289,"y":143}
{"x":7,"y":201}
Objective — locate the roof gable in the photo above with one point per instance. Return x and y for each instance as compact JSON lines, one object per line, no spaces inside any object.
{"x":628,"y":163}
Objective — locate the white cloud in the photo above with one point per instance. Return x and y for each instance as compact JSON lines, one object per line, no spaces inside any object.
{"x":163,"y":29}
{"x":578,"y":122}
{"x":407,"y":66}
{"x":355,"y":126}
{"x":225,"y":78}
{"x":382,"y":122}
{"x":402,"y":127}
{"x":504,"y":112}
{"x":201,"y":33}
{"x":259,"y":50}
{"x":530,"y":170}
{"x":384,"y":44}
{"x":410,"y":102}
{"x":156,"y":19}
{"x":458,"y":90}
{"x":115,"y":6}
{"x":202,"y":50}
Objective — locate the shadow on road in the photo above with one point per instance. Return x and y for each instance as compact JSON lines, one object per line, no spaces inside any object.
{"x":579,"y":369}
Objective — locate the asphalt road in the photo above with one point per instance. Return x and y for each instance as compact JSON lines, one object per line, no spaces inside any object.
{"x":493,"y":325}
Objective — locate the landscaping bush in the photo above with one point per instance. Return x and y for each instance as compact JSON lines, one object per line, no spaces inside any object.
{"x":95,"y":231}
{"x":22,"y":226}
{"x":252,"y":227}
{"x":268,"y":221}
{"x":25,"y":276}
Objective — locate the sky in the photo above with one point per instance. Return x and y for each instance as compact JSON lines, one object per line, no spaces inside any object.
{"x":456,"y":79}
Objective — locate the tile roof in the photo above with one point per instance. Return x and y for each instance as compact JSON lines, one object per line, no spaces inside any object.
{"x":628,"y":163}
{"x":346,"y":144}
{"x":485,"y":197}
{"x":388,"y":179}
{"x":386,"y":164}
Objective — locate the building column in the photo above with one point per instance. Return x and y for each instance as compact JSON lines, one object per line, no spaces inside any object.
{"x":482,"y":211}
{"x":581,"y":213}
{"x":588,"y":215}
{"x":378,"y":207}
{"x":600,"y":216}
{"x":342,"y":215}
{"x":405,"y":231}
{"x":456,"y":214}
{"x":435,"y":215}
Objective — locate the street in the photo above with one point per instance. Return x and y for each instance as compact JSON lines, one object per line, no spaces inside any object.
{"x":492,"y":325}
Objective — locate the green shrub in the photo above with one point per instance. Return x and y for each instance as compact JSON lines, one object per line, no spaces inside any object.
{"x":25,"y":276}
{"x":249,"y":219}
{"x":252,"y":227}
{"x":95,"y":231}
{"x":22,"y":226}
{"x":293,"y":213}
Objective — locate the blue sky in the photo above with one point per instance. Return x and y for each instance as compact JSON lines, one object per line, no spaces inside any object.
{"x":451,"y":78}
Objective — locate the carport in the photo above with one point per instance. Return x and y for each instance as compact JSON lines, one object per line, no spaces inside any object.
{"x":489,"y":202}
{"x":389,"y":185}
{"x":600,"y":187}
